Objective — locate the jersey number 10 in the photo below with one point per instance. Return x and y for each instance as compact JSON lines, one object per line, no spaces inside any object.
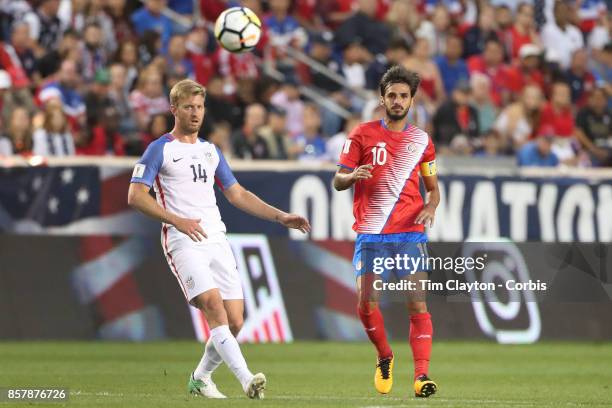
{"x":379,"y":155}
{"x":199,"y":174}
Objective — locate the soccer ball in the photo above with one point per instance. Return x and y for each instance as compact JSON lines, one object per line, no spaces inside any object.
{"x":238,"y":29}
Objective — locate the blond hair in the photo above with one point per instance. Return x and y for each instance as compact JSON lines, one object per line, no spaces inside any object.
{"x":184,"y":89}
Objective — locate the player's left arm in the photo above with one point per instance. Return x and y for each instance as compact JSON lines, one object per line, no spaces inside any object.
{"x":428,"y":213}
{"x":248,"y":202}
{"x":429,"y":173}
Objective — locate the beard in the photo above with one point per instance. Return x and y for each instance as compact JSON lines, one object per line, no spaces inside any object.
{"x":189,"y":128}
{"x":394,"y":116}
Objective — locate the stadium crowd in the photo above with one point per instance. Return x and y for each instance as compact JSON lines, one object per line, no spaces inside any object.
{"x":498,"y":77}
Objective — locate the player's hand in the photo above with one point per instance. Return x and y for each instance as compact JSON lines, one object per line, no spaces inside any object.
{"x":191,"y":228}
{"x":426,"y":216}
{"x":362,"y":172}
{"x":295,"y":221}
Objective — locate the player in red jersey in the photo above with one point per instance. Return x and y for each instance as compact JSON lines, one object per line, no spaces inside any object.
{"x":382,"y":159}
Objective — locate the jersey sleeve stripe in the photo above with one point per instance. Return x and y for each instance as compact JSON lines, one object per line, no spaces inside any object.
{"x":345,"y":166}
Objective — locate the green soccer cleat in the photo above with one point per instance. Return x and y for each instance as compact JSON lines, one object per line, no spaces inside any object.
{"x":204,"y":387}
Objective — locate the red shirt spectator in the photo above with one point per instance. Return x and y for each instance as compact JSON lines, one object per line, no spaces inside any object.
{"x":557,"y":116}
{"x":491,"y":64}
{"x":102,"y":143}
{"x":526,"y":71}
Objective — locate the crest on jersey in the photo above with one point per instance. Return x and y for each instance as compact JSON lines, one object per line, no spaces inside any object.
{"x":190,"y":282}
{"x":412,"y":147}
{"x":208,"y":156}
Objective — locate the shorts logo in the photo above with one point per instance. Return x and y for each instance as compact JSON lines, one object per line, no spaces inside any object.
{"x":359,"y":265}
{"x":190,"y":283}
{"x":411,"y":148}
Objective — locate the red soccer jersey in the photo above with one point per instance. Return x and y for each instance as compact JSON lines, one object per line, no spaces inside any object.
{"x":390,"y":201}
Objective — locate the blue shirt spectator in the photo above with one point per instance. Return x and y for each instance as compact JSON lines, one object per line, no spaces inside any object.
{"x":452,"y":67}
{"x":149,"y":18}
{"x":538,"y":153}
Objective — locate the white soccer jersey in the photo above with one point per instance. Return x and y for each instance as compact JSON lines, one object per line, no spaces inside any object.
{"x":183,"y":176}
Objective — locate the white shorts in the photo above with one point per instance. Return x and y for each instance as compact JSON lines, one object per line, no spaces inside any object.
{"x":204,"y":266}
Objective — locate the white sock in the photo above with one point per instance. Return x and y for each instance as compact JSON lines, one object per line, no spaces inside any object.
{"x":229,"y":350}
{"x":209,"y":362}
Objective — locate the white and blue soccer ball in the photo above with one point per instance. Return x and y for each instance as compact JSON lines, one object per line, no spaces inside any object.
{"x":238,"y":29}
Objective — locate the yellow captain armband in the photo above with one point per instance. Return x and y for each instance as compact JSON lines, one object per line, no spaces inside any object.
{"x":429,"y":168}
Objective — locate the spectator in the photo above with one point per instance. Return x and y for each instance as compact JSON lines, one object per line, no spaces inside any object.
{"x":403,"y":20}
{"x":321,"y":51}
{"x":104,"y":138}
{"x":248,"y":144}
{"x":491,"y":63}
{"x":558,"y":120}
{"x":475,"y":38}
{"x":526,"y":71}
{"x":45,"y":27}
{"x":54,"y":138}
{"x":221,"y":137}
{"x":538,"y":153}
{"x":491,"y":145}
{"x":118,"y":94}
{"x":127,"y":55}
{"x":149,"y":98}
{"x":451,"y":66}
{"x":283,"y":31}
{"x":524,"y":30}
{"x":363,"y":24}
{"x":203,"y":64}
{"x":177,"y":62}
{"x":96,"y":13}
{"x":19,"y":131}
{"x":150,"y":18}
{"x":94,"y":55}
{"x":6,"y":148}
{"x":65,"y":89}
{"x":122,"y":27}
{"x":397,"y":52}
{"x":520,"y":121}
{"x":594,"y":128}
{"x":97,"y":98}
{"x":288,"y":98}
{"x":218,"y":107}
{"x":436,"y":31}
{"x":21,"y":53}
{"x":159,"y":124}
{"x":334,"y":145}
{"x":560,"y":35}
{"x":311,"y":143}
{"x":456,"y":118}
{"x":601,"y":64}
{"x":579,"y":77}
{"x":481,"y":101}
{"x":432,"y":87}
{"x":276,"y":136}
{"x":69,"y":48}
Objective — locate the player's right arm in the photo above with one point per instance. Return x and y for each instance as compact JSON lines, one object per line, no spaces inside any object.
{"x":349,"y":170}
{"x":144,"y":174}
{"x":140,"y":199}
{"x":345,"y":177}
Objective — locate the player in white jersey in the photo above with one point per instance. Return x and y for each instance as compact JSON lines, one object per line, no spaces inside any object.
{"x":182,"y":169}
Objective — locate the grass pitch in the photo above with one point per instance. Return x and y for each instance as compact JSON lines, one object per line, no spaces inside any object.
{"x":314,"y":374}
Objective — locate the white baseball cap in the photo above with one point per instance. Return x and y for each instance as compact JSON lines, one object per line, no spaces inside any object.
{"x":529,"y":50}
{"x":5,"y":80}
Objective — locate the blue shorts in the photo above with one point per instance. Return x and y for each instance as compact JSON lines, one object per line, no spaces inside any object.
{"x":408,"y":250}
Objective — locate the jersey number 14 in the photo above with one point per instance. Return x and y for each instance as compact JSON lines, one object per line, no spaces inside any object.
{"x":199,"y":174}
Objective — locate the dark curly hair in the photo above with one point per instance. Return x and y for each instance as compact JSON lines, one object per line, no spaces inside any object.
{"x":399,"y":75}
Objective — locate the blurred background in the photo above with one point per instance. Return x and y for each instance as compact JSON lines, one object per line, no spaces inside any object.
{"x":515,"y":95}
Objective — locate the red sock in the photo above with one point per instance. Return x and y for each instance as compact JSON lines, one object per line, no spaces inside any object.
{"x":374,"y":325}
{"x":421,"y":332}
